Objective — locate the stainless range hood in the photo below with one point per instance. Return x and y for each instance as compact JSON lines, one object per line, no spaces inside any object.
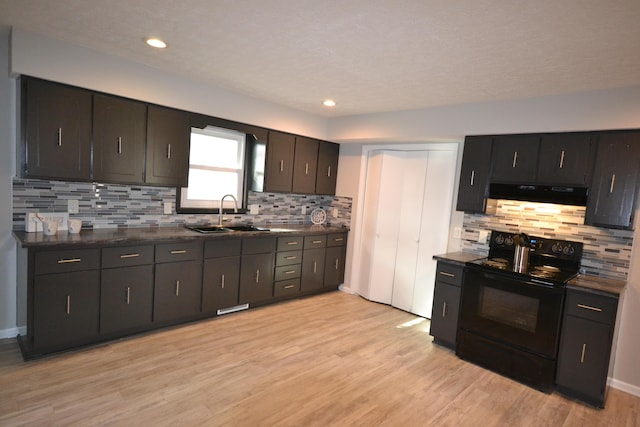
{"x":563,"y":195}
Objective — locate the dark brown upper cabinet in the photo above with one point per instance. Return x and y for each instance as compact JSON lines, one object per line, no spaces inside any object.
{"x":328,"y":154}
{"x":305,"y":164}
{"x":56,"y":130}
{"x":515,"y":158}
{"x":279,"y":162}
{"x":613,"y":189}
{"x":119,"y":137}
{"x":565,"y":159}
{"x":474,"y":176}
{"x":168,"y":135}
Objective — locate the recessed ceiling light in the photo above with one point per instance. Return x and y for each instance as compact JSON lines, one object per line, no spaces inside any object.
{"x":329,"y":103}
{"x":154,"y":42}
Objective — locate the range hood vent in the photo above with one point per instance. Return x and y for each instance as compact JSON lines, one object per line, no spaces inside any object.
{"x":562,"y":195}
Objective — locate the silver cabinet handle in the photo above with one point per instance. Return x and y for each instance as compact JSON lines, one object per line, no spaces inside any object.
{"x":178,"y":251}
{"x":69,"y":261}
{"x":584,"y":350}
{"x":68,"y":304}
{"x":613,"y":182}
{"x":128,"y":295}
{"x":589,"y":307}
{"x":290,"y":272}
{"x":281,"y":165}
{"x":316,"y":242}
{"x":444,"y":309}
{"x":329,"y":171}
{"x":290,"y":257}
{"x":258,"y":276}
{"x":473,"y":177}
{"x":338,"y":239}
{"x":129,"y":256}
{"x":315,"y":266}
{"x":168,"y":151}
{"x":562,"y":159}
{"x":337,"y":263}
{"x":119,"y":145}
{"x":177,"y":287}
{"x":222,"y":282}
{"x":59,"y":137}
{"x":306,"y":168}
{"x":444,"y":273}
{"x":292,"y":243}
{"x":515,"y":159}
{"x":289,"y":286}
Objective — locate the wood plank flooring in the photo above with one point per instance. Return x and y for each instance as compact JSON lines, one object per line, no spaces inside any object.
{"x":329,"y":360}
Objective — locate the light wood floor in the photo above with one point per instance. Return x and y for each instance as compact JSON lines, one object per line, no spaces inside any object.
{"x":329,"y":360}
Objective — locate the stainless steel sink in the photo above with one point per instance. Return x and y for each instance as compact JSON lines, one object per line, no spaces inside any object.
{"x":246,"y":228}
{"x":210,"y":229}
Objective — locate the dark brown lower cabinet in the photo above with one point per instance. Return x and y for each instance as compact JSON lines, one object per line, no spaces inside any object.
{"x":312,"y":269}
{"x":334,"y":266}
{"x":65,"y":308}
{"x":446,"y":303}
{"x":126,"y":298}
{"x":177,"y":290}
{"x":256,"y":278}
{"x":220,"y":283}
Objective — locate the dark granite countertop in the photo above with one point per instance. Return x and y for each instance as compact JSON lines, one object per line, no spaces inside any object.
{"x":599,"y":284}
{"x":108,"y":236}
{"x":459,"y":258}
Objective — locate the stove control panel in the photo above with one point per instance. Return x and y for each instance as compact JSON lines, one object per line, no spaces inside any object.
{"x":562,"y":249}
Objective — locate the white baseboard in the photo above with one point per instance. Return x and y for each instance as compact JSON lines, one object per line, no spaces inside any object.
{"x":12,"y":332}
{"x":345,"y":289}
{"x":622,"y":386}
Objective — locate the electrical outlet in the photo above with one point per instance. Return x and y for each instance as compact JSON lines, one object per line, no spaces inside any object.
{"x":73,"y":206}
{"x":335,"y":212}
{"x":483,"y":236}
{"x":168,"y":208}
{"x":254,"y":209}
{"x":304,"y":210}
{"x":457,"y":232}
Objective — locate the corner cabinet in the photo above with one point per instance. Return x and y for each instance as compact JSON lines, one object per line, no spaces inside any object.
{"x":585,"y":345}
{"x":612,"y":195}
{"x":474,"y":175}
{"x":446,"y":303}
{"x":56,"y":130}
{"x":168,"y":135}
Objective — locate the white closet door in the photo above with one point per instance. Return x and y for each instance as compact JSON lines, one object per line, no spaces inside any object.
{"x":369,"y":221}
{"x":434,"y":230}
{"x":410,"y":186}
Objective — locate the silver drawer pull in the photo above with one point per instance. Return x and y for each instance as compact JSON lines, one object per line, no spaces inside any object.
{"x":292,"y":243}
{"x":290,"y":272}
{"x":315,"y":266}
{"x":290,"y":257}
{"x":177,"y":252}
{"x":613,"y":183}
{"x":316,"y":242}
{"x":222,"y":282}
{"x":562,"y":159}
{"x":444,"y":273}
{"x":129,"y":256}
{"x":69,"y":261}
{"x":306,"y":168}
{"x":177,"y":288}
{"x":584,"y":350}
{"x":515,"y":159}
{"x":338,"y":239}
{"x":473,"y":177}
{"x":128,"y":295}
{"x":588,"y":307}
{"x":258,"y":276}
{"x":290,"y":286}
{"x":68,"y":304}
{"x":337,"y":262}
{"x":329,"y":171}
{"x":281,"y":165}
{"x":168,"y":151}
{"x":59,"y":137}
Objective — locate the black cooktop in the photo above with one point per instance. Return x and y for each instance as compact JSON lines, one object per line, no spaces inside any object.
{"x":551,"y":260}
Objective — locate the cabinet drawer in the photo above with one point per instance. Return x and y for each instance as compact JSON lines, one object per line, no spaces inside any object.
{"x":180,"y":251}
{"x":319,"y":241}
{"x":67,"y":261}
{"x":221,"y":248}
{"x":590,"y":306}
{"x":261,"y":245}
{"x":337,"y":239}
{"x":290,"y":243}
{"x":286,"y":287}
{"x":287,"y":272}
{"x":449,"y":273}
{"x":125,"y":256}
{"x":288,"y":258}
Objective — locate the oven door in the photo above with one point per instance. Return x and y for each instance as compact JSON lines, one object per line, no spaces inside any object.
{"x":512,"y":311}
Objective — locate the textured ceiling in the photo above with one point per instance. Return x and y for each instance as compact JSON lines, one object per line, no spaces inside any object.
{"x":368,"y":55}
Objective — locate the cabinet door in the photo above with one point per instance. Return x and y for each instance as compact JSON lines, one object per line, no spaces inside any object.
{"x":611,"y":200}
{"x":305,"y":165}
{"x":565,"y":159}
{"x":57,"y":131}
{"x":126,"y":298}
{"x":220,"y":283}
{"x":256,"y":278}
{"x":65,"y":308}
{"x":583,"y":358}
{"x":474,"y":175}
{"x":178,"y":289}
{"x":279,"y":163}
{"x":515,"y":158}
{"x":312,"y":269}
{"x":328,"y":154}
{"x":167,"y":159}
{"x":334,"y":266}
{"x":444,"y":317}
{"x":119,"y":135}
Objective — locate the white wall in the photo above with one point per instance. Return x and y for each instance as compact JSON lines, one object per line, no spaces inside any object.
{"x":597,"y":110}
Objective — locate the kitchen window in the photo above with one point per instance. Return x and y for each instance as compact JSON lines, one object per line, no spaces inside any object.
{"x":217,"y":162}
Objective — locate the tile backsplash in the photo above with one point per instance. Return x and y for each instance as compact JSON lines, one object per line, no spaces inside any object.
{"x":607,"y":252}
{"x":112,"y":205}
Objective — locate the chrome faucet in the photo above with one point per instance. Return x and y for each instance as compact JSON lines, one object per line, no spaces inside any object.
{"x":235,"y":207}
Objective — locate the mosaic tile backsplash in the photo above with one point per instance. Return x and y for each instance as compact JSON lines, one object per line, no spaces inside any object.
{"x":606,"y":252}
{"x":111,"y":205}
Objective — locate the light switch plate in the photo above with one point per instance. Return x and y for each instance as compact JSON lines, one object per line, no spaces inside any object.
{"x":254,"y":209}
{"x":457,"y":232}
{"x":73,"y":206}
{"x":483,"y":236}
{"x":335,"y":212}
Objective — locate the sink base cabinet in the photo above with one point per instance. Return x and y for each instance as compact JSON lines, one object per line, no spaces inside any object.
{"x":220,"y":283}
{"x":126,"y":298}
